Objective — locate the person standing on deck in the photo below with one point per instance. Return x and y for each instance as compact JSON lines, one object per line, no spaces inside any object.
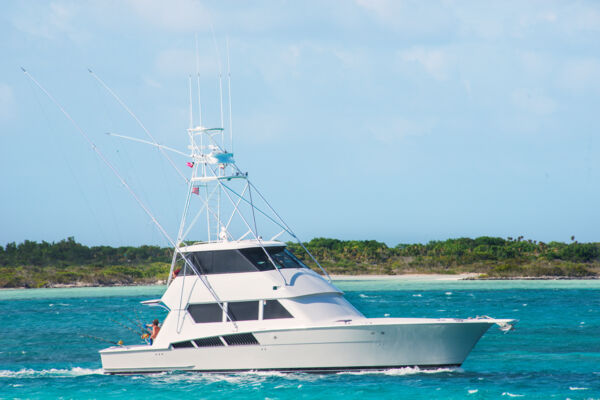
{"x":154,"y":329}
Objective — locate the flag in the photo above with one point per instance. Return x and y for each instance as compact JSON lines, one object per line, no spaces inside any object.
{"x":190,"y":164}
{"x":196,"y":190}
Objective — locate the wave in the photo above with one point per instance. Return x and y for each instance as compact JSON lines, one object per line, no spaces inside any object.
{"x":366,"y":296}
{"x":239,"y":378}
{"x":32,"y":373}
{"x":401,"y":371}
{"x":512,"y":394}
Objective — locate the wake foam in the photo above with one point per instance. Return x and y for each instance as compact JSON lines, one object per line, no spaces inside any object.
{"x":32,"y":373}
{"x":401,"y":371}
{"x":237,"y":378}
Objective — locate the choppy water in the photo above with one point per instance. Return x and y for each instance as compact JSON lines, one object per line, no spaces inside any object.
{"x":554,"y":353}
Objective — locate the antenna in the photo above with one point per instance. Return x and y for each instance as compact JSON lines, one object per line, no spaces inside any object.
{"x":198,"y":80}
{"x":229,"y":97}
{"x":220,"y":76}
{"x":191,"y":112}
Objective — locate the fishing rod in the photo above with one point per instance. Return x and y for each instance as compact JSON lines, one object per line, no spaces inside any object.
{"x":125,"y":326}
{"x":99,"y":339}
{"x":137,"y":323}
{"x":142,"y":205}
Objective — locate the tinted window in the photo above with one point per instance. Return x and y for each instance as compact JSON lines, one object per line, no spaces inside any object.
{"x":182,"y":345}
{"x":205,"y":312}
{"x":221,"y":262}
{"x":243,"y":310}
{"x":209,"y":342}
{"x":258,"y":257}
{"x":240,"y":339}
{"x":286,"y":259}
{"x":282,"y":258}
{"x":182,"y":269}
{"x":274,"y":310}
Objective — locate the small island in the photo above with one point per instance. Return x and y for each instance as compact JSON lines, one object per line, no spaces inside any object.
{"x":68,"y":263}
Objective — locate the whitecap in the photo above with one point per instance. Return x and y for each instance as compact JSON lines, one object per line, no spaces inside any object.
{"x":577,"y":388}
{"x":512,"y":394}
{"x":417,"y":295}
{"x":471,"y":391}
{"x":448,"y":293}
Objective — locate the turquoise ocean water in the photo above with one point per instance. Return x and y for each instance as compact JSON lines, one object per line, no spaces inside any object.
{"x":553,"y":353}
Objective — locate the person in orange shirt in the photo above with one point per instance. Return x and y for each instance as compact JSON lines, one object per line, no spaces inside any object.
{"x":154,"y":329}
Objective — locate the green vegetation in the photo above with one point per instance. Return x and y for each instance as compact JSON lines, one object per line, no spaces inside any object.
{"x":31,"y":264}
{"x":490,"y":256}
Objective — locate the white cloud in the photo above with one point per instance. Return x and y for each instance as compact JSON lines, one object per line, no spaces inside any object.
{"x":435,"y":61}
{"x":548,"y":16}
{"x":391,"y":130}
{"x":353,"y":59}
{"x":407,"y":17}
{"x":581,"y":74}
{"x":7,"y":102}
{"x":174,"y":15}
{"x":55,"y":21}
{"x":533,"y":101}
{"x":178,"y":62}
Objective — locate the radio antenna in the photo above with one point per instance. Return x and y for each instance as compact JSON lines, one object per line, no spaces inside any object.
{"x":220,"y":77}
{"x":229,"y":96}
{"x":198,"y":81}
{"x":191,"y":104}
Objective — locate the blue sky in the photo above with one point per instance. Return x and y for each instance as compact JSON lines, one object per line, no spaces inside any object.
{"x":400,"y":121}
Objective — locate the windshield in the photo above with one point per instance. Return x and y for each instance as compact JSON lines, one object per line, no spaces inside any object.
{"x":282,"y":257}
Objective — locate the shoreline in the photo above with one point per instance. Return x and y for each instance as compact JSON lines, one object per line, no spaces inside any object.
{"x":470,"y":276}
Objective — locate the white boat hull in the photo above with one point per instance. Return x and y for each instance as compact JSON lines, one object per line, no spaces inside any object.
{"x":430,"y":344}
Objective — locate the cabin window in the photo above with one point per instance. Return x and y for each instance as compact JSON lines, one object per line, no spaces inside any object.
{"x":182,"y":345}
{"x":282,"y":258}
{"x":220,"y":262}
{"x":214,"y":341}
{"x":258,"y":257}
{"x":240,"y":339}
{"x":243,"y":310}
{"x":203,"y":313}
{"x":286,"y":259}
{"x":273,"y":309}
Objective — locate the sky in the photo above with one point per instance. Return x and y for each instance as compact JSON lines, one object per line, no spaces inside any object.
{"x":398,"y":121}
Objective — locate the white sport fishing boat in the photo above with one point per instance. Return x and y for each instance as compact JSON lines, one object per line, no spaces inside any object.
{"x":239,"y":302}
{"x":245,"y":303}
